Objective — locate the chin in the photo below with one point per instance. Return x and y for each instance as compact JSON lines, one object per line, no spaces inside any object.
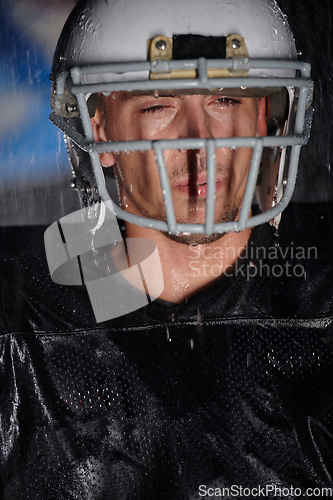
{"x":194,"y":239}
{"x":229,"y":215}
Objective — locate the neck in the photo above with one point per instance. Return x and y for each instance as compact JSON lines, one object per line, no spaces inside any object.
{"x":189,"y":268}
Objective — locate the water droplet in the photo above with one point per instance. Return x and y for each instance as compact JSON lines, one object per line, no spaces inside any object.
{"x":156,"y":93}
{"x":199,"y":318}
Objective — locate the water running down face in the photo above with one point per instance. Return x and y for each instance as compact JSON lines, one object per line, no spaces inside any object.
{"x":126,"y":117}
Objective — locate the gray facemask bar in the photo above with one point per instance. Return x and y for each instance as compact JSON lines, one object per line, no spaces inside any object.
{"x":299,"y":138}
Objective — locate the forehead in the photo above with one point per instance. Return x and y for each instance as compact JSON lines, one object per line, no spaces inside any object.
{"x":239,"y":92}
{"x":127,"y":96}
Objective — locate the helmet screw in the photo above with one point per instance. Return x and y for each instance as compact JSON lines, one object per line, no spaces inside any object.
{"x":161,"y":45}
{"x":87,"y":188}
{"x":235,"y":43}
{"x":70,"y":108}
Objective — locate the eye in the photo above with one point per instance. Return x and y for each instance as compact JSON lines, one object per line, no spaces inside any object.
{"x":226,"y":101}
{"x":153,"y":109}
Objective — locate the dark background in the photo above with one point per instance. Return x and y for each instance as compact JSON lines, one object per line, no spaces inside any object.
{"x":311,"y":23}
{"x":34,"y":170}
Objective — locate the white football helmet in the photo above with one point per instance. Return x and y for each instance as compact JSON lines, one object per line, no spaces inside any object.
{"x":239,"y":48}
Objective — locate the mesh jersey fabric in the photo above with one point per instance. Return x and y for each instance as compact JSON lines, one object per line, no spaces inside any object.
{"x":231,"y":387}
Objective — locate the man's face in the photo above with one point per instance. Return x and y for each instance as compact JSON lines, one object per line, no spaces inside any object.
{"x":127,"y":117}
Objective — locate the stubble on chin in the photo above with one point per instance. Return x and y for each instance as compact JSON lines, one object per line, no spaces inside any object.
{"x":194,"y":239}
{"x":230,"y":215}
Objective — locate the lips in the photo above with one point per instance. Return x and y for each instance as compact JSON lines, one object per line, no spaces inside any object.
{"x":197,"y":189}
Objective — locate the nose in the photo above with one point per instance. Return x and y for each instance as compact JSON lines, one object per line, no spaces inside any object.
{"x":195,"y":119}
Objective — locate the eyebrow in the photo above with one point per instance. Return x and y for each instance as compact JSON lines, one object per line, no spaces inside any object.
{"x":125,"y":96}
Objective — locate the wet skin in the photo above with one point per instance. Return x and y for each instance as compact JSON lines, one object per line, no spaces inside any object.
{"x":125,"y":117}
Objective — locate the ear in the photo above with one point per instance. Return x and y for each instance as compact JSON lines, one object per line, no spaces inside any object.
{"x":263,"y":114}
{"x":97,"y":123}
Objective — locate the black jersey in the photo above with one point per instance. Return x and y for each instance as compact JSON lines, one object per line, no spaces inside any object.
{"x":229,"y":392}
